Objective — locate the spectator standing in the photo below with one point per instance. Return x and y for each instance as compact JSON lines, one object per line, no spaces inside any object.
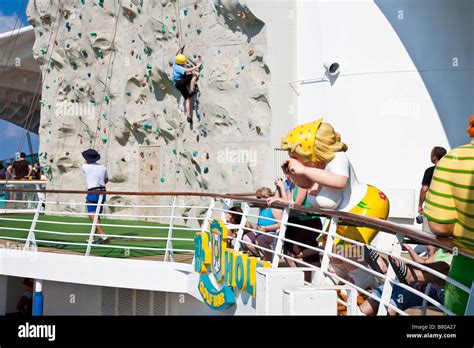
{"x":436,"y":154}
{"x":448,"y":212}
{"x":96,"y":177}
{"x":36,"y":172}
{"x":21,"y":169}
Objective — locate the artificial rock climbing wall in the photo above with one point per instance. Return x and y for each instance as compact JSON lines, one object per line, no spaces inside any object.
{"x":107,"y":85}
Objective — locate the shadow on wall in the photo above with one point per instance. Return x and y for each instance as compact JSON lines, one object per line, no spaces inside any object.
{"x":439,"y":37}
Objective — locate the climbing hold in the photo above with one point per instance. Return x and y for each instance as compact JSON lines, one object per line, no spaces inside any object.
{"x":151,"y":166}
{"x":148,"y":69}
{"x":68,"y":26}
{"x":93,"y":35}
{"x":173,"y":27}
{"x":106,"y":99}
{"x":163,"y":28}
{"x":207,"y":155}
{"x":104,"y":115}
{"x":251,"y":53}
{"x":100,"y":54}
{"x":89,"y":75}
{"x":195,"y":153}
{"x":185,"y":11}
{"x":79,"y":35}
{"x":147,"y":50}
{"x":43,"y":50}
{"x":104,"y":140}
{"x":143,"y":83}
{"x":199,"y":31}
{"x":174,"y":152}
{"x":39,"y":31}
{"x":206,"y":170}
{"x":162,"y":179}
{"x":101,"y":3}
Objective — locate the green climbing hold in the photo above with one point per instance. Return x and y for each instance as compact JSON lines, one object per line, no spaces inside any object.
{"x":206,"y":170}
{"x":162,"y":179}
{"x":43,"y":50}
{"x":147,"y":51}
{"x":174,"y":152}
{"x":47,"y":169}
{"x":93,"y":35}
{"x":100,"y":54}
{"x":163,"y":28}
{"x":104,"y":140}
{"x":199,"y":31}
{"x":148,"y":69}
{"x":106,"y":99}
{"x":104,"y":115}
{"x":101,"y":3}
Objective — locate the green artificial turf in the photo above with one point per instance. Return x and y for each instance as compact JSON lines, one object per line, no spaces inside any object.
{"x":104,"y":250}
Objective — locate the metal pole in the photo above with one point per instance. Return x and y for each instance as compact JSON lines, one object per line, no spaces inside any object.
{"x":390,"y":275}
{"x":281,"y":234}
{"x":169,"y":243}
{"x":240,"y":231}
{"x":94,"y":225}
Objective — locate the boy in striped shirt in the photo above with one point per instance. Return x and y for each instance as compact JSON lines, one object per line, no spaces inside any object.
{"x":449,"y":209}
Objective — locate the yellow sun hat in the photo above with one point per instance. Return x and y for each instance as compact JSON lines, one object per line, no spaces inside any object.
{"x":181,"y":59}
{"x":300,"y":140}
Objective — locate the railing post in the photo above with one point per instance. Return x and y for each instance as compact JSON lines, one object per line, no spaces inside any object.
{"x":281,"y":234}
{"x":390,"y":275}
{"x":470,"y":302}
{"x":207,"y":219}
{"x":227,"y":203}
{"x":31,"y":239}
{"x":169,"y":243}
{"x":94,"y":225}
{"x":240,"y":231}
{"x":329,"y":246}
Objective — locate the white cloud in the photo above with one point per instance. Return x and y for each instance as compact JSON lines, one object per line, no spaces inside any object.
{"x":7,"y":23}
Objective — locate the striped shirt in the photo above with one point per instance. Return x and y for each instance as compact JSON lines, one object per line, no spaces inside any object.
{"x":450,"y":198}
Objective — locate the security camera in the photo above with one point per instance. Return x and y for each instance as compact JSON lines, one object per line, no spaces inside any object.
{"x":332,"y":68}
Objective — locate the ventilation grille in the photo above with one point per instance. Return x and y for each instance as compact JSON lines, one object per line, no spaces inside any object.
{"x":159,"y":303}
{"x":120,"y":301}
{"x":142,"y":302}
{"x":108,"y":301}
{"x":125,"y":302}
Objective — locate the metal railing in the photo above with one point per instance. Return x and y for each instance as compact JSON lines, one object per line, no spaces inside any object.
{"x":167,"y":230}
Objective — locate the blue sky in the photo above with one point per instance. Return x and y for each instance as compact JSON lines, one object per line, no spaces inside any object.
{"x":10,"y":134}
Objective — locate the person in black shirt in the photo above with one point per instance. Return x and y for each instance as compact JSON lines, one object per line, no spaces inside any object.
{"x":22,"y":168}
{"x":436,"y":154}
{"x":36,"y":172}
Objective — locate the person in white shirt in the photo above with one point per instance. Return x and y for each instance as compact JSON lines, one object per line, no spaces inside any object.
{"x":96,"y":178}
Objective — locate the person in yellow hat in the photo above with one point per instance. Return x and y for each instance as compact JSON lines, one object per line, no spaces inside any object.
{"x":318,"y":162}
{"x":449,"y":212}
{"x":184,"y":80}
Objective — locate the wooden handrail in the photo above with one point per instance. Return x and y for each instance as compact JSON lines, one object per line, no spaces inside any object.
{"x":345,"y":217}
